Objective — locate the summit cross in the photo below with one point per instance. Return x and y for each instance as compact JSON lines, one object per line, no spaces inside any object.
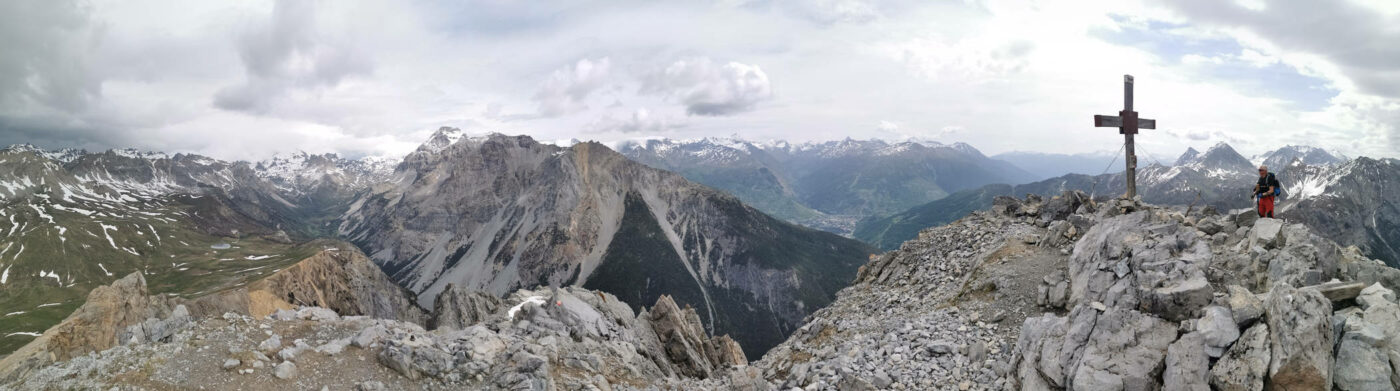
{"x":1128,"y":123}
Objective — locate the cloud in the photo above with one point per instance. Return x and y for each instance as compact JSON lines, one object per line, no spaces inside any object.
{"x":1357,"y":39}
{"x":711,"y":89}
{"x":566,"y":89}
{"x":287,"y":53}
{"x":47,"y":59}
{"x":640,"y":120}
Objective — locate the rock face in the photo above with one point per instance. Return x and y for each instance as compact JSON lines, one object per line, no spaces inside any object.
{"x":1131,"y":262}
{"x":500,"y":213}
{"x":343,"y":280}
{"x":99,"y":324}
{"x":339,"y":278}
{"x":456,"y":308}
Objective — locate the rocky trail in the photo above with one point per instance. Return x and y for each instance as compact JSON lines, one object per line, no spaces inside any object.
{"x":1036,"y":294}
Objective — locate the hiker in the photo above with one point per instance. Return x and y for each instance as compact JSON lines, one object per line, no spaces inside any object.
{"x":1265,"y":191}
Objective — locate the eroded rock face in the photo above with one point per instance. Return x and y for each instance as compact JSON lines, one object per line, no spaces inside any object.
{"x":457,"y":308}
{"x":1133,"y":262}
{"x":111,"y":312}
{"x":1301,"y":339}
{"x":343,"y":280}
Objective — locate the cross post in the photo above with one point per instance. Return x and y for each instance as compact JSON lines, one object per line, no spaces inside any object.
{"x":1128,"y":123}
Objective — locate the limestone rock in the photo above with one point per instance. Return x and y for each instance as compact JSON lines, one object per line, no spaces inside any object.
{"x":285,"y":370}
{"x":1301,"y":339}
{"x":1245,"y":366}
{"x":1361,"y":363}
{"x":1218,"y":330}
{"x":1268,"y":233}
{"x":456,"y":308}
{"x":95,"y":326}
{"x":1187,"y":367}
{"x":1245,"y":307}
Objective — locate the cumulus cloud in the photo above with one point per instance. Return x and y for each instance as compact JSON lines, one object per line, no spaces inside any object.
{"x":640,"y":120}
{"x":709,"y":88}
{"x":287,"y":53}
{"x":566,"y":90}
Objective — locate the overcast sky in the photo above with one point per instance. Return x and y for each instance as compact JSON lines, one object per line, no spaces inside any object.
{"x":246,"y":79}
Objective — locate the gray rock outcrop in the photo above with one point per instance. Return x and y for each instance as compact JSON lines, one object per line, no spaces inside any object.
{"x":1245,"y":366}
{"x":1301,"y":339}
{"x":457,"y":308}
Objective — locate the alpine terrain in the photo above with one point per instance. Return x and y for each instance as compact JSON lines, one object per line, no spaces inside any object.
{"x":74,"y":220}
{"x":500,"y":213}
{"x":1220,"y":178}
{"x":827,"y":185}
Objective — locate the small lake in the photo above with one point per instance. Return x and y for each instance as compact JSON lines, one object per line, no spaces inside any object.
{"x":221,"y":246}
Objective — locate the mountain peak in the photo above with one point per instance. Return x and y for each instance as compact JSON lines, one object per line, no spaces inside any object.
{"x":1188,"y":156}
{"x":441,"y":139}
{"x":1308,"y":155}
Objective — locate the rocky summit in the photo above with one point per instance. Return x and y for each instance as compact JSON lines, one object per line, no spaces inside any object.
{"x":1059,"y":293}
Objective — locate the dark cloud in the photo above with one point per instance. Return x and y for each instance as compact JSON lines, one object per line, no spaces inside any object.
{"x":288,"y":53}
{"x":1360,"y":41}
{"x":709,"y":88}
{"x":46,"y":59}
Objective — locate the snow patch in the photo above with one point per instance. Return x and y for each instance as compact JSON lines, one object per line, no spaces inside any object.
{"x":538,"y":300}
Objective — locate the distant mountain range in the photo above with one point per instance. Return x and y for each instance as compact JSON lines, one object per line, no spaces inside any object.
{"x":1347,"y":200}
{"x":828,"y":185}
{"x":1049,"y":165}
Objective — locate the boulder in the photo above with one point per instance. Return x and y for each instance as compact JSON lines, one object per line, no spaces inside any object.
{"x":1268,"y":233}
{"x":1187,"y":367}
{"x":1375,"y":295}
{"x":1245,"y":307}
{"x":1244,"y":366}
{"x":1006,"y":206}
{"x":1301,"y":339}
{"x":1361,"y":363}
{"x":1246,"y":218}
{"x":1217,"y":329}
{"x":1210,"y":226}
{"x":1063,"y":205}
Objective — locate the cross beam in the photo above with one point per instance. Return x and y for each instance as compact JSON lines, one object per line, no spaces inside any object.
{"x":1128,"y":123}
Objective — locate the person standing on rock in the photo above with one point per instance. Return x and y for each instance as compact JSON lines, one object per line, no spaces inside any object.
{"x":1265,"y":191}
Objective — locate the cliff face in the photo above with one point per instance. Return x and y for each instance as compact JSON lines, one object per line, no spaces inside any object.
{"x":502,"y":213}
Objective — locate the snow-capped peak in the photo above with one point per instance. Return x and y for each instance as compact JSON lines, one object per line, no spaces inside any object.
{"x":138,"y":154}
{"x":444,"y":137}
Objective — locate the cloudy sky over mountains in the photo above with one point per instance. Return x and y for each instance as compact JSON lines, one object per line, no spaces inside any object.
{"x":247,"y":79}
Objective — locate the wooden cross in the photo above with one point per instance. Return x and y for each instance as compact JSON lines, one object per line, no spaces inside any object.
{"x":1128,"y":123}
